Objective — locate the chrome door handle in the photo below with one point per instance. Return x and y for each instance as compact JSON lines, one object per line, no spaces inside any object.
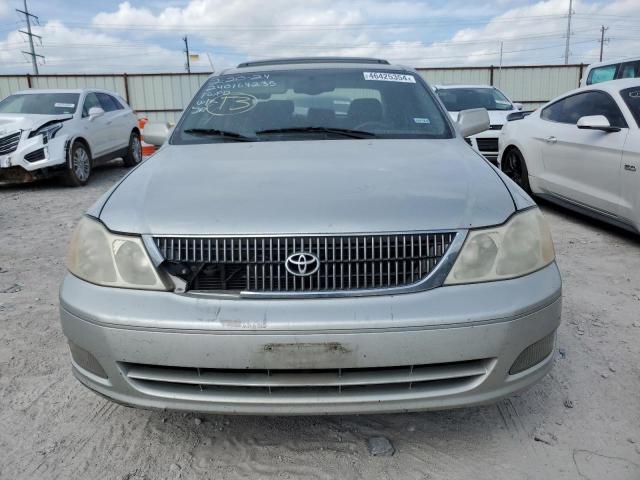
{"x":630,"y":168}
{"x":551,"y":139}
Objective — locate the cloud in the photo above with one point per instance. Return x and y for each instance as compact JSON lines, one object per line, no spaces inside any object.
{"x":133,"y":37}
{"x":5,"y":9}
{"x":76,"y":50}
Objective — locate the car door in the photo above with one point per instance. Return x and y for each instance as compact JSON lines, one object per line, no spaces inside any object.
{"x":630,"y":181}
{"x":113,"y":130}
{"x":583,"y":165}
{"x":94,"y":129}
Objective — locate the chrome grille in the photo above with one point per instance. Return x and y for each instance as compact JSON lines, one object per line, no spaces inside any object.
{"x":246,"y":385}
{"x":257,"y":264}
{"x":9,"y":143}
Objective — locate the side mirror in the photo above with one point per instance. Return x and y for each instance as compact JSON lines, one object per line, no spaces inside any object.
{"x":518,"y":106}
{"x":95,"y":112}
{"x":156,"y":133}
{"x":596,"y":122}
{"x":473,"y":121}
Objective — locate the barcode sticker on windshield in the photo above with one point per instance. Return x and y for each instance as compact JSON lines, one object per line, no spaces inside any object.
{"x":64,"y":105}
{"x":389,"y":77}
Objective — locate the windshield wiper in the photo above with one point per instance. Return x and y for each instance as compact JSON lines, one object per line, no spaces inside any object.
{"x":214,"y":132}
{"x":346,"y":132}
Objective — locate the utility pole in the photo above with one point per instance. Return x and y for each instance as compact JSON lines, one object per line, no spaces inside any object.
{"x":500,"y":68}
{"x":602,"y":39}
{"x":34,"y":56}
{"x":186,"y":51}
{"x":566,"y":48}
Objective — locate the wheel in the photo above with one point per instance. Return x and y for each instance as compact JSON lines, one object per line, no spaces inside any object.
{"x":79,"y":171}
{"x":514,"y":166}
{"x":134,"y":152}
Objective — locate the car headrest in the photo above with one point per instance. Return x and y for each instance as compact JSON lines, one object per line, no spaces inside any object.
{"x":363,"y":110}
{"x":321,"y":117}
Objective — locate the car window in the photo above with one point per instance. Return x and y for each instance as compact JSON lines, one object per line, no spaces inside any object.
{"x":90,"y":101}
{"x":456,"y":99}
{"x":118,"y":102}
{"x":41,"y":103}
{"x":630,"y":70}
{"x":570,"y":109}
{"x":602,"y":74}
{"x":631,"y":97}
{"x":389,"y":104}
{"x":107,"y":102}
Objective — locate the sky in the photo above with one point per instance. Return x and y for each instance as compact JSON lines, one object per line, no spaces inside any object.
{"x":146,"y":36}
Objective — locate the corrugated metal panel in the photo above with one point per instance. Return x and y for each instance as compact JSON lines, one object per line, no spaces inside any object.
{"x":451,"y":76}
{"x":11,"y":84}
{"x":115,"y":83}
{"x":160,"y":92}
{"x":537,"y":83}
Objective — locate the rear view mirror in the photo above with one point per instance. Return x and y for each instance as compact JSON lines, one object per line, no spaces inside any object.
{"x":473,"y":121}
{"x":156,"y":133}
{"x":95,"y":112}
{"x":518,"y":106}
{"x":596,"y":122}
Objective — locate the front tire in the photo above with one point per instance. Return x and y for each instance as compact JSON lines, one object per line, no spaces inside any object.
{"x":79,"y":171}
{"x":134,"y":152}
{"x":514,"y":166}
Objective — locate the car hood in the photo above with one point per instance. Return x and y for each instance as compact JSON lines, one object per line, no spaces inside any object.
{"x":496,"y":117}
{"x":329,"y":186}
{"x":10,"y":122}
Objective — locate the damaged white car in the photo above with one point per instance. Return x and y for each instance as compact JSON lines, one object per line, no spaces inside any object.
{"x":64,"y":132}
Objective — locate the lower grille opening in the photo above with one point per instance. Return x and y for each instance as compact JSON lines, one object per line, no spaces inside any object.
{"x":35,"y":155}
{"x":533,"y":354}
{"x":487,"y":144}
{"x":278,"y":384}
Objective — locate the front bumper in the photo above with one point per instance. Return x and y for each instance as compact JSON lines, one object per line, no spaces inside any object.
{"x":478,"y":331}
{"x":33,"y":158}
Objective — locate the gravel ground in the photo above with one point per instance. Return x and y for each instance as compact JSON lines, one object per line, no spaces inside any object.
{"x":581,"y":421}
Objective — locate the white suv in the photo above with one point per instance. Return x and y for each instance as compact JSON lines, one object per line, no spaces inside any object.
{"x":464,"y":97}
{"x":64,"y":132}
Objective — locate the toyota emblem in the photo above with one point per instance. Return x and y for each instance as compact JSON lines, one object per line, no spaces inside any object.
{"x":302,"y":264}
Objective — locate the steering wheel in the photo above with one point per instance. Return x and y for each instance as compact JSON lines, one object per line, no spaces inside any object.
{"x":371,"y":123}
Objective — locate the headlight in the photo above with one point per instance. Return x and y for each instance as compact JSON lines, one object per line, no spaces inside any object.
{"x":47,"y":131}
{"x":101,"y":257}
{"x":520,"y":246}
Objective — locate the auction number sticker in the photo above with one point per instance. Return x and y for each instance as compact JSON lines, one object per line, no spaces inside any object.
{"x":389,"y":77}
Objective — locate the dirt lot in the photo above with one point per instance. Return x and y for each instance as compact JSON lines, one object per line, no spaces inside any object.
{"x":581,"y":421}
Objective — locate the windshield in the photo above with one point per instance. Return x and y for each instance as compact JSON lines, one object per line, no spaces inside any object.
{"x":321,"y":104}
{"x":41,"y":103}
{"x":631,"y":97}
{"x":457,"y":99}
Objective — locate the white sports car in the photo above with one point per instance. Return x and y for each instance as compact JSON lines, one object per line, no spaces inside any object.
{"x":582,"y":151}
{"x":464,"y":97}
{"x":64,"y":132}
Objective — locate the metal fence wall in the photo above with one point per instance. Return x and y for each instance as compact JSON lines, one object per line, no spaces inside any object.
{"x":162,"y":96}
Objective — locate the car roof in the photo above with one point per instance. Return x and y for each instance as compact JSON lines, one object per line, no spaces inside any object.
{"x":310,"y":63}
{"x":612,"y":86}
{"x":612,"y":62}
{"x":445,"y":87}
{"x":64,"y":90}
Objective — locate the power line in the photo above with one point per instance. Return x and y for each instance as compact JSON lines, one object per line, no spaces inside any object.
{"x":34,"y":56}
